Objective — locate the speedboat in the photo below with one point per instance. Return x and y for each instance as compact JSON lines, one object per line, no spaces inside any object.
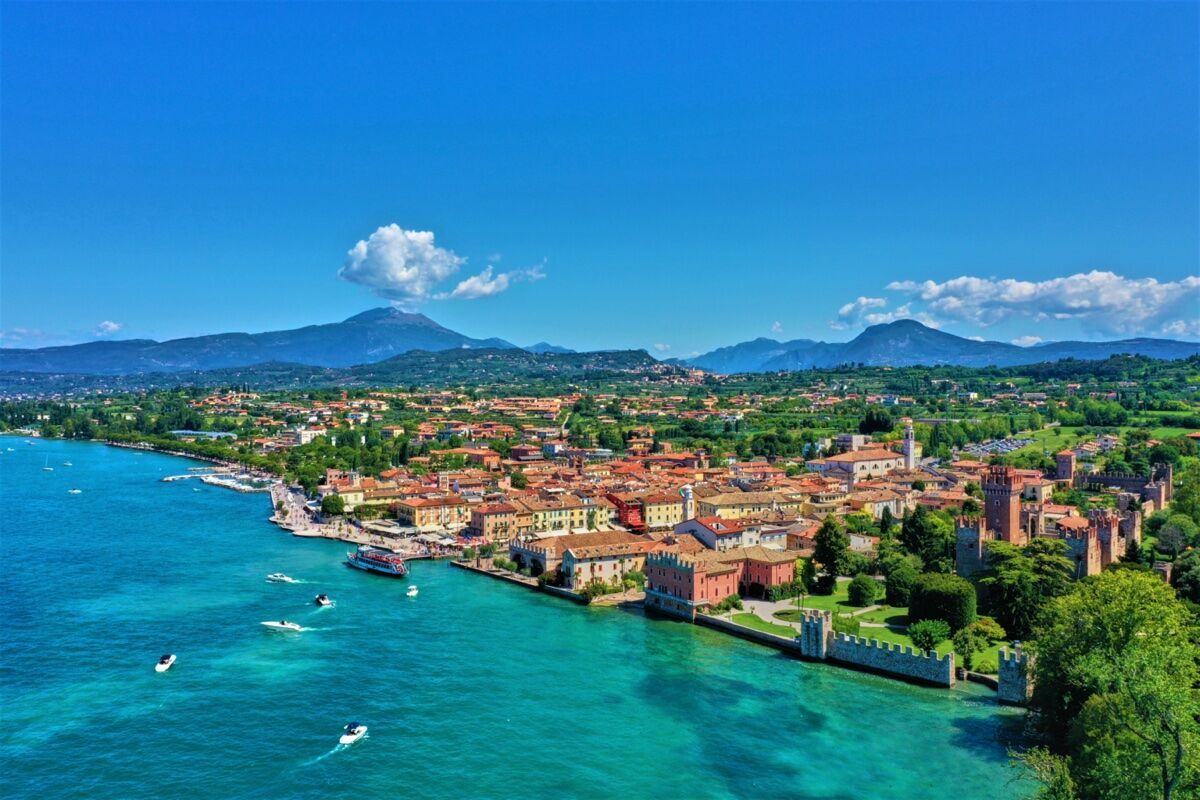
{"x":165,"y":663}
{"x":322,"y":600}
{"x":283,"y":625}
{"x":354,"y":732}
{"x":74,"y":491}
{"x":279,"y":577}
{"x":412,"y":591}
{"x":68,"y":464}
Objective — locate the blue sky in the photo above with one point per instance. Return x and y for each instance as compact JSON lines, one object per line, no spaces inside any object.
{"x":660,"y":176}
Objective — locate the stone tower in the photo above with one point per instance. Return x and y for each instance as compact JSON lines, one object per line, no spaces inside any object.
{"x":1016,"y":684}
{"x":1002,"y":503}
{"x":910,"y":445}
{"x":1064,"y":462}
{"x":971,"y":538}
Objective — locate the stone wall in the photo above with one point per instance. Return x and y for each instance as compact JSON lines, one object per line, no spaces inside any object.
{"x":819,"y":641}
{"x":1016,"y":686}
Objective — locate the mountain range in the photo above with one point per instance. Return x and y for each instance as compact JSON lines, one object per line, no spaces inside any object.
{"x":365,"y":338}
{"x":383,"y":333}
{"x":907,"y":342}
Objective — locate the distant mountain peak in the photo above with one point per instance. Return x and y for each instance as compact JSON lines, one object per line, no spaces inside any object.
{"x":908,"y":342}
{"x":390,"y":314}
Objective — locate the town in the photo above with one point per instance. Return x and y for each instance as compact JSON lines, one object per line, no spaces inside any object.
{"x":767,"y":504}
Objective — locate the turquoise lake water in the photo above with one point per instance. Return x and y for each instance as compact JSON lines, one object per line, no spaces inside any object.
{"x":474,"y":689}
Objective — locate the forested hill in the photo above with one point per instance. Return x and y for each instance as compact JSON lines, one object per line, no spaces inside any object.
{"x":446,"y":368}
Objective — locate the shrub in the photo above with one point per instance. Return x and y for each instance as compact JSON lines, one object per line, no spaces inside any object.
{"x":863,"y":590}
{"x":469,"y":553}
{"x":333,"y":504}
{"x":847,"y":625}
{"x":938,"y":596}
{"x":488,"y":550}
{"x":975,"y":637}
{"x":824,"y":584}
{"x":928,"y":633}
{"x":854,"y":563}
{"x":731,"y":602}
{"x":899,"y":585}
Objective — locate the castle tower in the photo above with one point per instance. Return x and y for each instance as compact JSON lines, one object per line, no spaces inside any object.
{"x":1108,"y":530}
{"x":910,"y":445}
{"x":1002,"y":503}
{"x":1064,"y":462}
{"x":970,"y":553}
{"x":689,"y":503}
{"x":1016,"y":684}
{"x":1083,"y":548}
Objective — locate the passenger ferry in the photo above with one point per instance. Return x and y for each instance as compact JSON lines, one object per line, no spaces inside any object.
{"x":372,"y":559}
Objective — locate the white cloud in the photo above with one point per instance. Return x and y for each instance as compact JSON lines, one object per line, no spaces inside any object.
{"x":489,"y":283}
{"x":1183,"y":327}
{"x":1026,"y":341}
{"x":662,"y":348}
{"x":403,"y":266}
{"x":107,"y":328}
{"x":859,"y":314}
{"x":1103,"y":302}
{"x":407,"y":267}
{"x":776,"y":327}
{"x":21,"y":334}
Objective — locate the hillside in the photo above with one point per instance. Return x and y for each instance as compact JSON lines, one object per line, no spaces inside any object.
{"x":364,"y":338}
{"x":438,"y":369}
{"x":908,"y":343}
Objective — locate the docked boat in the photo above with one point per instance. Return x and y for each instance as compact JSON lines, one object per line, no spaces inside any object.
{"x":322,"y":600}
{"x":283,"y":625}
{"x":165,"y":663}
{"x":353,"y":732}
{"x":279,"y":577}
{"x":373,"y":559}
{"x":412,"y":591}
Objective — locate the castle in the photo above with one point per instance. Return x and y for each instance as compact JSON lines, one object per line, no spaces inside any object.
{"x":1093,"y":542}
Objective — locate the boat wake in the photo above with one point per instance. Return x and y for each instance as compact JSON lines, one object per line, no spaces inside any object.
{"x":337,"y":748}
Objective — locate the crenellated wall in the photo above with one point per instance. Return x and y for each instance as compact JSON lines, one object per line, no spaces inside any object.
{"x":819,"y":641}
{"x":1016,"y":685}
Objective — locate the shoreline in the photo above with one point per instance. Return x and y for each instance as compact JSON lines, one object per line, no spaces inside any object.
{"x":350,"y":534}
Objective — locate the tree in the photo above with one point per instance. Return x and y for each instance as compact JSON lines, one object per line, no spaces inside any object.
{"x":518,"y":480}
{"x":863,"y":590}
{"x":1186,"y":576}
{"x":887,"y":521}
{"x":929,"y":535}
{"x":1020,"y":582}
{"x":945,"y":597}
{"x":832,"y":543}
{"x":333,"y":504}
{"x":977,"y":636}
{"x":927,"y":634}
{"x":876,"y":420}
{"x":1122,"y":643}
{"x":899,"y":585}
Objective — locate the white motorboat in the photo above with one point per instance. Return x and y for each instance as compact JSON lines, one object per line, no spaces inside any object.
{"x":279,"y":577}
{"x":68,"y":464}
{"x":412,"y":591}
{"x":322,"y":600}
{"x":74,"y":491}
{"x":353,"y":732}
{"x":283,"y":625}
{"x":165,"y":663}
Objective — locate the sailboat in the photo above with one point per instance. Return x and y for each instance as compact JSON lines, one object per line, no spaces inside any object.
{"x":48,"y":468}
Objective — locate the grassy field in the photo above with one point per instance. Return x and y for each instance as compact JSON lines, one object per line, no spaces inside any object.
{"x":759,"y":624}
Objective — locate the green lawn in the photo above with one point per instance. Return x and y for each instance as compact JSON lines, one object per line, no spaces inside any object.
{"x":886,"y":615}
{"x":759,"y":624}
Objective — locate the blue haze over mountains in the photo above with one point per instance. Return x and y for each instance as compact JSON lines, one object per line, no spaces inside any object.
{"x":382,"y":333}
